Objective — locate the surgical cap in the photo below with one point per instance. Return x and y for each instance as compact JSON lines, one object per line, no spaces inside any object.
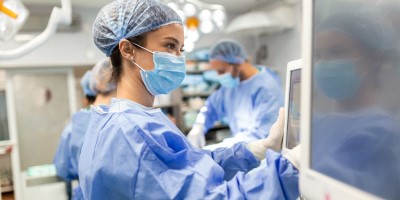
{"x":86,"y":82}
{"x":364,"y":25}
{"x":101,"y":79}
{"x":228,"y":51}
{"x":122,"y":19}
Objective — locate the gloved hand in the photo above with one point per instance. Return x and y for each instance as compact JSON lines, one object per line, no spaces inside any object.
{"x":273,"y":141}
{"x":196,"y":136}
{"x":294,"y":156}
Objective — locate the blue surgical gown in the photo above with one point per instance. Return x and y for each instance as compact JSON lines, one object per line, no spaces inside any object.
{"x":62,"y":160}
{"x":67,"y":155}
{"x":250,"y":108}
{"x":133,"y":152}
{"x":68,"y":152}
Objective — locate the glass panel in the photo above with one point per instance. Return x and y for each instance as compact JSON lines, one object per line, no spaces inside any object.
{"x":42,"y":110}
{"x":356,"y":94}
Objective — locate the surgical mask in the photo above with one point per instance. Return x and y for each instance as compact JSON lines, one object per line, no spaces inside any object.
{"x":228,"y":81}
{"x":337,"y":79}
{"x":169,"y":72}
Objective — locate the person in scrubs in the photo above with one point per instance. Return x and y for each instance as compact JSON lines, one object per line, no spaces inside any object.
{"x":96,"y":82}
{"x":133,"y":151}
{"x":249,"y":97}
{"x":357,"y":141}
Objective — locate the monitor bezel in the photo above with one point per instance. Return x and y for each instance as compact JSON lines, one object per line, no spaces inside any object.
{"x":291,"y":66}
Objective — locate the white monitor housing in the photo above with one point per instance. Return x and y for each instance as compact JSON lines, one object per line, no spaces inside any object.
{"x":314,"y":184}
{"x":291,"y":137}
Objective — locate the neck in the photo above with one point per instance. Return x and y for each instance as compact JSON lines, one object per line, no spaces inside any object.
{"x":247,"y":71}
{"x":132,"y":88}
{"x":103,"y":99}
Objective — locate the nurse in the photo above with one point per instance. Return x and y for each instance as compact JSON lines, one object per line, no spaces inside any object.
{"x":133,"y":151}
{"x":90,"y":95}
{"x":96,"y":83}
{"x":250,"y":97}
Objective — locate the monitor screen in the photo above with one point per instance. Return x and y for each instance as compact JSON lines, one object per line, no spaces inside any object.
{"x":293,"y":123}
{"x":355,"y":101}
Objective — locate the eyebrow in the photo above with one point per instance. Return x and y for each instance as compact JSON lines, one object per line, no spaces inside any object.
{"x":175,"y":40}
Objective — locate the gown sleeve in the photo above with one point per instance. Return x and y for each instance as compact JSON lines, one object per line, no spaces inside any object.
{"x":62,"y":158}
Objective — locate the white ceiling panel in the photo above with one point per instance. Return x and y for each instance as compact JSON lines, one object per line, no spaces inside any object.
{"x":232,"y":6}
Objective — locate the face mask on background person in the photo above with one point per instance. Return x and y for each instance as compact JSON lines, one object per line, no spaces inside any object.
{"x":228,"y":81}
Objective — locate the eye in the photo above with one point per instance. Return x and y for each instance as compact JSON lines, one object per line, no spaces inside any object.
{"x":171,"y":46}
{"x":183,"y":50}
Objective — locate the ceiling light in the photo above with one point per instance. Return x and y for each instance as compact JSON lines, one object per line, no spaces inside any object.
{"x":189,"y":9}
{"x":193,"y":35}
{"x":218,"y":16}
{"x":173,"y":5}
{"x":206,"y":26}
{"x":205,"y":15}
{"x":189,"y":45}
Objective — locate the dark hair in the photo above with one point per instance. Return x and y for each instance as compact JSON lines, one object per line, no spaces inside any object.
{"x":116,"y":59}
{"x":91,"y":99}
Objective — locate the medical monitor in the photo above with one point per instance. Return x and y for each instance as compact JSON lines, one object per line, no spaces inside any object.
{"x":291,"y":137}
{"x":350,"y":100}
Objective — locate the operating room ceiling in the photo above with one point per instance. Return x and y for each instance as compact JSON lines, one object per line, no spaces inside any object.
{"x":232,"y":6}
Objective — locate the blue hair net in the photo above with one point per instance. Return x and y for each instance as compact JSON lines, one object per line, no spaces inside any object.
{"x":101,"y":79}
{"x":364,"y":25}
{"x":86,"y":82}
{"x":122,"y":19}
{"x":229,"y":51}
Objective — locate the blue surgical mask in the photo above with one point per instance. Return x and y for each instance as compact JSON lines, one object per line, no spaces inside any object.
{"x":210,"y":75}
{"x":228,"y":81}
{"x":169,"y":72}
{"x":337,"y":79}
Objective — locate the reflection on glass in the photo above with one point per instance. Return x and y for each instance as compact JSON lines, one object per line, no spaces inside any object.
{"x":355,"y":62}
{"x":293,"y":129}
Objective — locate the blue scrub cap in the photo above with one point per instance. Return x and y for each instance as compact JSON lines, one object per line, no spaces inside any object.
{"x":86,"y":82}
{"x":364,"y":25}
{"x":101,"y":79}
{"x":122,"y":19}
{"x":228,"y":51}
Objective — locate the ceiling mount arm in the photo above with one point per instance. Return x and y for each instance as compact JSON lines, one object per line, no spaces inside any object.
{"x":59,"y":16}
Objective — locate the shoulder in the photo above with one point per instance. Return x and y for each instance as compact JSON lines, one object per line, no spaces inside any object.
{"x":67,"y":130}
{"x":155,"y":129}
{"x":81,"y":116}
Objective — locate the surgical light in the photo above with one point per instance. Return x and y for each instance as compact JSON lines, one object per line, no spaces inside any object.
{"x":198,"y":18}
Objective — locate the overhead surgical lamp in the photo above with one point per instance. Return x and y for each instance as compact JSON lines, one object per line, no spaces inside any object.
{"x":7,"y":11}
{"x":13,"y":14}
{"x":199,"y":18}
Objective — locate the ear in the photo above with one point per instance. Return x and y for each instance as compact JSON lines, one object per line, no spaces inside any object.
{"x":237,"y":69}
{"x":128,"y":51}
